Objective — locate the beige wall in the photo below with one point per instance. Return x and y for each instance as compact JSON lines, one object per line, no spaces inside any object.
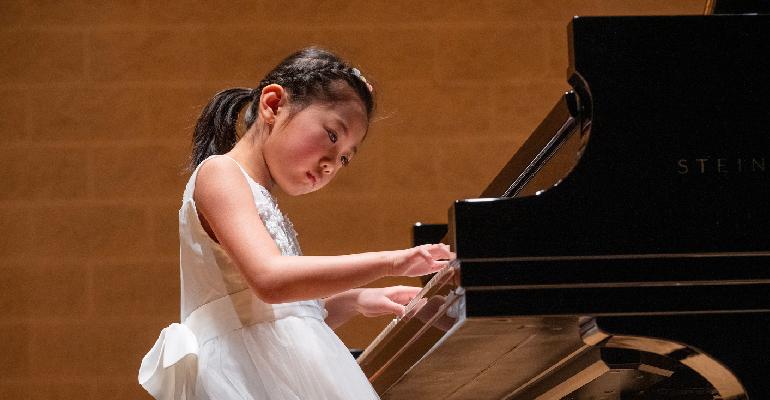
{"x":96,"y":106}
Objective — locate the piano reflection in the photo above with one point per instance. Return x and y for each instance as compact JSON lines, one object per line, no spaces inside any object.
{"x":624,"y":251}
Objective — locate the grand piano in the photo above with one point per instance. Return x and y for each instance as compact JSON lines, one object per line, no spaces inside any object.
{"x":624,"y":250}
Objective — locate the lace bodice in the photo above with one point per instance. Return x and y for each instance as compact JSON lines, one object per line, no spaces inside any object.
{"x":278,"y":225}
{"x":207,"y":272}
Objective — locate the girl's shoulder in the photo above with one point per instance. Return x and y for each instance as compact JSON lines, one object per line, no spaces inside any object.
{"x":226,"y":166}
{"x":222,"y":176}
{"x":219,"y":166}
{"x":219,"y":182}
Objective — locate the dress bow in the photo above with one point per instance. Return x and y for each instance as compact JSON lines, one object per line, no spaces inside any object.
{"x":170,"y":369}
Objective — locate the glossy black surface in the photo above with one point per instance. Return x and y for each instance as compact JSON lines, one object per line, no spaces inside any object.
{"x":741,"y":7}
{"x":661,"y":228}
{"x":428,"y":233}
{"x":631,"y":230}
{"x":676,"y":154}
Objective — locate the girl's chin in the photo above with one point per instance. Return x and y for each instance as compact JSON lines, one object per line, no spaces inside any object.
{"x":298,"y":190}
{"x":294,"y":188}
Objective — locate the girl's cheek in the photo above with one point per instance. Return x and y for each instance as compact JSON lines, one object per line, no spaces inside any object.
{"x":307,"y":151}
{"x":318,"y":147}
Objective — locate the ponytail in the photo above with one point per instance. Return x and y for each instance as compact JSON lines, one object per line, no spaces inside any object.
{"x":216,"y":129}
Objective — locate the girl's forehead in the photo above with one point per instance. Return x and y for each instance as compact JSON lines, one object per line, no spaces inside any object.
{"x":351,"y":106}
{"x":351,"y":112}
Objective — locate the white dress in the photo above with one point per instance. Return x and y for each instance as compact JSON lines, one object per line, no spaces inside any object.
{"x":232,"y":345}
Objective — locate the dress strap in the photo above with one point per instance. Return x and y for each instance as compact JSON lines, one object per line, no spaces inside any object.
{"x":190,"y":188}
{"x":246,"y":174}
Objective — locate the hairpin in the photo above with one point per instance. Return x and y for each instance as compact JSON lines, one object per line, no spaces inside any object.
{"x":358,"y":75}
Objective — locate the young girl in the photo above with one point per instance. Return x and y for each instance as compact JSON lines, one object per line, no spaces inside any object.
{"x":257,"y":315}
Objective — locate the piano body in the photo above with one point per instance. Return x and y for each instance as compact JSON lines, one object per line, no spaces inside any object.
{"x":624,"y":251}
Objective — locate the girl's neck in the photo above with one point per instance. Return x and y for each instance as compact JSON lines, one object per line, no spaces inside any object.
{"x":248,"y":152}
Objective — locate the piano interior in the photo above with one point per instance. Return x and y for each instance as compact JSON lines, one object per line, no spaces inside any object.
{"x":624,"y":251}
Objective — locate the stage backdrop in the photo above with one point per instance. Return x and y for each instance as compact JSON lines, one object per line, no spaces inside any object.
{"x":97,"y":102}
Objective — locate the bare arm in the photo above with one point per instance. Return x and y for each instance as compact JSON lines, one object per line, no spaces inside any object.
{"x":225,"y":200}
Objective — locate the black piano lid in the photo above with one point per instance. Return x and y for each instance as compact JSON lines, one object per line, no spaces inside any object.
{"x":737,"y":7}
{"x":651,"y":222}
{"x":675,"y":160}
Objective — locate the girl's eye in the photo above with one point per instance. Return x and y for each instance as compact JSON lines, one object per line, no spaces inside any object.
{"x":332,"y":136}
{"x":345,"y":161}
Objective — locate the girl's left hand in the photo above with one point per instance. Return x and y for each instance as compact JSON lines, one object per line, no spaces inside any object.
{"x":373,"y":302}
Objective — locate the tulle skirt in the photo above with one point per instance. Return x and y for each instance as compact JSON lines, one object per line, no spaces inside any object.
{"x":290,"y":358}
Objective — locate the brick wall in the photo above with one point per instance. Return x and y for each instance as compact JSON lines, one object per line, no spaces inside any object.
{"x":97,"y":102}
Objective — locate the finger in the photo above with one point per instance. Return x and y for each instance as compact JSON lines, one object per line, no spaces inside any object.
{"x":449,"y":251}
{"x":440,"y":251}
{"x":426,"y":254}
{"x":402,"y":294}
{"x":439,"y":265}
{"x":394,"y":290}
{"x":394,"y":308}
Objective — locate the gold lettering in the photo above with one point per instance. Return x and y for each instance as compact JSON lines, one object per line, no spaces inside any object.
{"x":758,"y":164}
{"x":702,"y":162}
{"x":683,"y":168}
{"x":722,"y":165}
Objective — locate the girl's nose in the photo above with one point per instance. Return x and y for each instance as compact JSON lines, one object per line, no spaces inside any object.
{"x":326,"y":167}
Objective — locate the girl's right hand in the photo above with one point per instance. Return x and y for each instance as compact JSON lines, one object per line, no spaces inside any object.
{"x":421,"y":260}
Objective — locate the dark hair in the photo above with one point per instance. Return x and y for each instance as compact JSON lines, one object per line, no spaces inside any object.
{"x":307,"y":75}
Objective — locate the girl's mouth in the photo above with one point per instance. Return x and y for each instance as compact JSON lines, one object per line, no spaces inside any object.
{"x":312,"y":178}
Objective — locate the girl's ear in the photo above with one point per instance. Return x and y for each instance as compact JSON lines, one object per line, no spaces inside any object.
{"x":272,"y":98}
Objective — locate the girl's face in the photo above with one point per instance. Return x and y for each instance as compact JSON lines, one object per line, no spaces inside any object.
{"x":304,"y":153}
